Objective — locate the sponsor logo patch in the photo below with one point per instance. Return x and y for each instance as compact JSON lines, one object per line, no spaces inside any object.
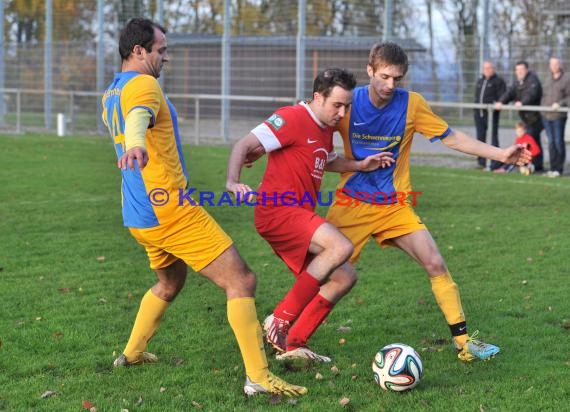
{"x":276,"y":121}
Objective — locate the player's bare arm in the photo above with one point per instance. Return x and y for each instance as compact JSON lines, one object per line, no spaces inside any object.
{"x":515,"y":154}
{"x":244,"y":153}
{"x":343,"y":164}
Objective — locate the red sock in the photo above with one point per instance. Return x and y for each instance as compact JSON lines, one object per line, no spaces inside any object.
{"x":302,"y":292}
{"x":310,"y":319}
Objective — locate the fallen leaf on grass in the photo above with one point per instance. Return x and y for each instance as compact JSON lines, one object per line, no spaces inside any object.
{"x":341,"y":341}
{"x":38,"y":318}
{"x":275,"y":400}
{"x":344,"y":401}
{"x":102,"y":301}
{"x":100,"y":258}
{"x":48,"y":394}
{"x":292,"y":401}
{"x":196,"y":405}
{"x":335,"y":370}
{"x":162,"y":389}
{"x":63,"y":290}
{"x":87,"y":404}
{"x":318,"y":376}
{"x":344,"y":329}
{"x":58,"y":335}
{"x":481,"y":409}
{"x":566,"y":323}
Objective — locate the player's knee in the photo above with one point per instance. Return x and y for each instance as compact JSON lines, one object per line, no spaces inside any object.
{"x":249,"y":281}
{"x":241,"y":283}
{"x":168,"y":290}
{"x":351,"y":277}
{"x":342,"y":249}
{"x":435,"y":265}
{"x":349,"y":281}
{"x":343,"y":280}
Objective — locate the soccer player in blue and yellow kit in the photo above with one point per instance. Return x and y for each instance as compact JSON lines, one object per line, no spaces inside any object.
{"x":384,"y":117}
{"x":144,"y":127}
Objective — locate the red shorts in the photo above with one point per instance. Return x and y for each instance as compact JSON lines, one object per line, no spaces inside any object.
{"x":289,"y":230}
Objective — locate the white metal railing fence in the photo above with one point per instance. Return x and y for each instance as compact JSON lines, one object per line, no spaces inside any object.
{"x":82,"y":113}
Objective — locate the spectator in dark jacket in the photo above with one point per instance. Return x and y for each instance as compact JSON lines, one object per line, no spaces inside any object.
{"x":526,"y":90}
{"x":489,"y":89}
{"x":556,"y":93}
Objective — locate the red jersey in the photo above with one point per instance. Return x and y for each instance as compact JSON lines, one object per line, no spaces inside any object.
{"x":529,"y":143}
{"x":298,"y":146}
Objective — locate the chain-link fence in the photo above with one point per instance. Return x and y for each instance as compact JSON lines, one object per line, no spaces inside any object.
{"x":262,"y":65}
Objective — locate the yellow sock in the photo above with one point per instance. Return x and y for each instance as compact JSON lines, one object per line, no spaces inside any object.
{"x":146,"y":323}
{"x":242,"y":317}
{"x":447,"y":297}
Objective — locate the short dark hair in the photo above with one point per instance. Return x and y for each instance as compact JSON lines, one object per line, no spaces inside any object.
{"x":522,"y":63}
{"x":329,"y":78}
{"x":388,"y":54}
{"x":137,"y":31}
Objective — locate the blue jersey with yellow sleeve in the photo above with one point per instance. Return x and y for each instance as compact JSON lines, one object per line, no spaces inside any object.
{"x":368,"y":130}
{"x":165,"y":171}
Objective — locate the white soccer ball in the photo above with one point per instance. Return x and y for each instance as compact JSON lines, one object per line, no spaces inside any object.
{"x":397,"y":367}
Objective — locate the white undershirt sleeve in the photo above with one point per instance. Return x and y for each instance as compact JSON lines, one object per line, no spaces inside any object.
{"x":266,"y":137}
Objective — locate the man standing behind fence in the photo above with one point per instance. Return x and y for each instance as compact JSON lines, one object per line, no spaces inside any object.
{"x":489,"y":89}
{"x":556,"y":94}
{"x":526,"y":90}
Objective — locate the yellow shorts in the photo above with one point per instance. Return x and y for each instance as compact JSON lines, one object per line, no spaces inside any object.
{"x":382,"y":222}
{"x":193,"y":236}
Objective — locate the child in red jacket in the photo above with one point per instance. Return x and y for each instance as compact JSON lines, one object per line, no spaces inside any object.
{"x":523,"y":138}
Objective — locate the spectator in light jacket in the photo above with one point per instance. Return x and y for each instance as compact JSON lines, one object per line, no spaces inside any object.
{"x":556,"y":93}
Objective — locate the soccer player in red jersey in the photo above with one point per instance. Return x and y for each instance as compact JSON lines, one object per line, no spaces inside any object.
{"x":298,"y":140}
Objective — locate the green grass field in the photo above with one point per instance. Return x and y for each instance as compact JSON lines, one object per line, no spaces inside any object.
{"x":72,"y":277}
